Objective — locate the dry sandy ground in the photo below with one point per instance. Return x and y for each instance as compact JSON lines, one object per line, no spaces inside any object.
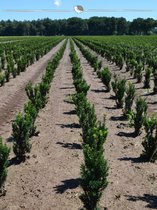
{"x":13,"y":95}
{"x":132,"y":183}
{"x":140,"y":90}
{"x":49,"y":179}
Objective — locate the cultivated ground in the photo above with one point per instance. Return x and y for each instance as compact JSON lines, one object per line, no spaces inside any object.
{"x":49,"y":179}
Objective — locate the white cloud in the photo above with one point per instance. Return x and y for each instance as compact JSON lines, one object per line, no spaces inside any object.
{"x":57,"y":2}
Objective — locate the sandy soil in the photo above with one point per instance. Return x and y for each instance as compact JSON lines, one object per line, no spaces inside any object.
{"x":140,"y":90}
{"x":132,"y":183}
{"x":49,"y":179}
{"x":13,"y":95}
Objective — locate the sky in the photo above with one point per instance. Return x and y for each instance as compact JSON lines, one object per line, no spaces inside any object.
{"x":65,"y":8}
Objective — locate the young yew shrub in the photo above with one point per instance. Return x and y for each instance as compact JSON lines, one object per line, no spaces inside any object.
{"x":106,"y":78}
{"x":119,"y":61}
{"x":150,"y":140}
{"x":155,"y":80}
{"x":2,"y":78}
{"x":7,"y":75}
{"x":138,"y":116}
{"x":119,"y":86}
{"x":148,"y":72}
{"x":138,"y":73}
{"x":14,"y":72}
{"x":81,"y":86}
{"x":129,"y":99}
{"x":88,"y":119}
{"x":94,"y":171}
{"x":44,"y":87}
{"x":20,"y":133}
{"x":94,"y":174}
{"x":34,"y":95}
{"x":4,"y":154}
{"x":31,"y":112}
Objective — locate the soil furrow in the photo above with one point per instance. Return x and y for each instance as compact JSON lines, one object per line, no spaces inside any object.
{"x":130,"y":179}
{"x":140,"y":91}
{"x":13,"y":95}
{"x":49,"y":180}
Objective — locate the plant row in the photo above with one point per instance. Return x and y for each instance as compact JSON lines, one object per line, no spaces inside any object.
{"x":94,"y":170}
{"x":139,"y":68}
{"x":16,"y":57}
{"x":23,"y":127}
{"x":124,"y":97}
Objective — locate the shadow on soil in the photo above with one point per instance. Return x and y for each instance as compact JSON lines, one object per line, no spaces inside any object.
{"x":110,"y":98}
{"x":133,"y":159}
{"x":110,"y":108}
{"x":152,"y":102}
{"x":124,"y":134}
{"x":119,"y":118}
{"x":66,"y":88}
{"x":15,"y":161}
{"x":148,"y":94}
{"x":67,"y":184}
{"x":70,"y":145}
{"x":151,"y":200}
{"x":99,"y":91}
{"x":72,"y":112}
{"x":73,"y":125}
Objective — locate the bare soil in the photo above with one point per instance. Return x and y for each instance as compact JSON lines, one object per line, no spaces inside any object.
{"x":49,"y":179}
{"x":132,"y":182}
{"x":13,"y":95}
{"x":140,"y":90}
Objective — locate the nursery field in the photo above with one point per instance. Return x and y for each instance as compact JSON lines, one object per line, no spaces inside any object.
{"x":78,"y":121}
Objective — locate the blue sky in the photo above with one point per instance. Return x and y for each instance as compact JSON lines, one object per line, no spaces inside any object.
{"x":118,"y":5}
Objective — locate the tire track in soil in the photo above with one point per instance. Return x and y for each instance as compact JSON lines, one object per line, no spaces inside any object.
{"x":48,"y":180}
{"x":140,"y":91}
{"x":129,"y":179}
{"x":13,"y":95}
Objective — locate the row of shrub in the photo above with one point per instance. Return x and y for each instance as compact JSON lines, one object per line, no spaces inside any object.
{"x":23,"y":127}
{"x":134,"y":61}
{"x":124,"y":97}
{"x":94,"y":170}
{"x":16,"y":57}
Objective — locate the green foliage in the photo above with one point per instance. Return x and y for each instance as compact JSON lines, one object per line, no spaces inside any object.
{"x":93,"y":60}
{"x":94,"y":174}
{"x":138,"y":72}
{"x":150,"y":140}
{"x":4,"y":154}
{"x":31,"y":112}
{"x":7,"y":75}
{"x":24,"y":125}
{"x":138,"y":117}
{"x":106,"y":78}
{"x":119,"y":61}
{"x":129,"y":99}
{"x":148,"y":72}
{"x":2,"y":78}
{"x":21,"y":131}
{"x":119,"y":86}
{"x":34,"y":95}
{"x":87,"y":119}
{"x":95,"y":170}
{"x":81,"y":86}
{"x":14,"y":72}
{"x":155,"y":80}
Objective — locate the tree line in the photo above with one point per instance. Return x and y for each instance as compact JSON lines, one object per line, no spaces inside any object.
{"x":77,"y":26}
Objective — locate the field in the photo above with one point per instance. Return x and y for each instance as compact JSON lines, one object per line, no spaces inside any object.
{"x":101,"y":69}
